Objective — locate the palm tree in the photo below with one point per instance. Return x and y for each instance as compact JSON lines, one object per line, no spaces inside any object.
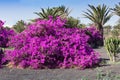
{"x":117,"y":9}
{"x":55,"y":11}
{"x":99,"y":15}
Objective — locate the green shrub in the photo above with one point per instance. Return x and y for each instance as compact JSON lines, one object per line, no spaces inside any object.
{"x":112,"y":46}
{"x":115,"y":33}
{"x":73,"y":22}
{"x":19,"y":26}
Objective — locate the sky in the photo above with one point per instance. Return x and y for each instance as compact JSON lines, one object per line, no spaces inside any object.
{"x":13,"y":10}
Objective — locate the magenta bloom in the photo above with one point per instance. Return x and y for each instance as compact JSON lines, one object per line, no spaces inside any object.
{"x":48,"y":44}
{"x":1,"y":23}
{"x":5,"y":35}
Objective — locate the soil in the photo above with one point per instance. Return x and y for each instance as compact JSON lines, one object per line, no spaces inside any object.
{"x":61,"y":74}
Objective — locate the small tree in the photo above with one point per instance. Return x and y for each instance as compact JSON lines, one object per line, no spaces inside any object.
{"x":72,"y":22}
{"x":107,"y":29}
{"x":117,"y":26}
{"x":19,"y":26}
{"x":115,"y":33}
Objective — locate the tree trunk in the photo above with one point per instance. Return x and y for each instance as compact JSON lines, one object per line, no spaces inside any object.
{"x":114,"y":59}
{"x":100,"y":28}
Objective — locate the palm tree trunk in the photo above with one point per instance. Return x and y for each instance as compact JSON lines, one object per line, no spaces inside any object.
{"x":114,"y":59}
{"x":100,"y":28}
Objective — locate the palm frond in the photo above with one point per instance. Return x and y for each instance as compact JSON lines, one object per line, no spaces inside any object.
{"x":98,"y":15}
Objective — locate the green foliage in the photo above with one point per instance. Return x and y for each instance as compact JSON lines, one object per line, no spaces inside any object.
{"x":72,"y":22}
{"x":55,"y":11}
{"x":117,"y":26}
{"x":112,"y":46}
{"x":84,"y":78}
{"x":7,"y":27}
{"x":19,"y":26}
{"x":117,"y":9}
{"x":104,"y":76}
{"x":63,"y":11}
{"x":82,"y":25}
{"x":99,"y":15}
{"x":107,"y":76}
{"x":115,"y":32}
{"x":45,"y":13}
{"x":107,"y":29}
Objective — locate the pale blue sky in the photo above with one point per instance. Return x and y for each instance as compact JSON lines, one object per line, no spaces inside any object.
{"x":13,"y":10}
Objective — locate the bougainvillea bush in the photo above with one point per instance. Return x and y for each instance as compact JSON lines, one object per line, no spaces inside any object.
{"x":5,"y":35}
{"x":48,"y":44}
{"x":1,"y":57}
{"x":4,"y":38}
{"x":95,"y":37}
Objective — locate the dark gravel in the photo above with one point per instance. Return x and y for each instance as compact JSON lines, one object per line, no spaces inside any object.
{"x":58,"y":74}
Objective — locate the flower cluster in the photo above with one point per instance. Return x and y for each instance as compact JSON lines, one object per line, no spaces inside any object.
{"x":1,"y":23}
{"x":48,"y":44}
{"x":5,"y":34}
{"x":4,"y":38}
{"x":1,"y":57}
{"x":95,"y":37}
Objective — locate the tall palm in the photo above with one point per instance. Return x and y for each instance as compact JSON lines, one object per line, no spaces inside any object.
{"x":99,"y":15}
{"x":117,"y":9}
